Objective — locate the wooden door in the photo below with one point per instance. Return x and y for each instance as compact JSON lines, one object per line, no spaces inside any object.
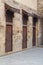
{"x":34,"y":36}
{"x":24,"y":44}
{"x":8,"y":45}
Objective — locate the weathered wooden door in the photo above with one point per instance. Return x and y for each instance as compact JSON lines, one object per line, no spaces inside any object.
{"x":24,"y":44}
{"x":8,"y":45}
{"x":34,"y":36}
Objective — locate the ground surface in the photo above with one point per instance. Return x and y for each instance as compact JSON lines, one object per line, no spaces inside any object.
{"x":32,"y":56}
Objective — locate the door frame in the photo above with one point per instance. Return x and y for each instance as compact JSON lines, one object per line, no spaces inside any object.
{"x":25,"y":19}
{"x":34,"y":26}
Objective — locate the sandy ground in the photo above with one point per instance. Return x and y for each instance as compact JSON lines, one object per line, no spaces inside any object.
{"x":32,"y":56}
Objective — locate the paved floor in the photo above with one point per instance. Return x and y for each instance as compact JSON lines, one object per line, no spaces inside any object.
{"x":33,"y":56}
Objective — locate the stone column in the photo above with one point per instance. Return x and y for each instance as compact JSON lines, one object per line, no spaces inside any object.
{"x":39,"y":32}
{"x":17,"y":32}
{"x":2,"y":28}
{"x":42,"y":31}
{"x":29,"y":31}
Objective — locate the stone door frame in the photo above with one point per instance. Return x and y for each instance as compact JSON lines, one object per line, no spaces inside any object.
{"x":24,"y":14}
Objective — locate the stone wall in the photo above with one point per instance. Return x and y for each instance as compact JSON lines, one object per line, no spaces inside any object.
{"x":2,"y":28}
{"x":40,"y":6}
{"x":40,"y":9}
{"x":29,"y":3}
{"x":17,"y":32}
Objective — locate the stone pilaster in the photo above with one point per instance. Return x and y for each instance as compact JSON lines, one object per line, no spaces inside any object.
{"x":39,"y":34}
{"x":29,"y":31}
{"x":17,"y":32}
{"x":42,"y":30}
{"x":2,"y":28}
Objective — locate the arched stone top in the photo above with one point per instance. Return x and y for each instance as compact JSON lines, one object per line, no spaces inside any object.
{"x":12,"y":3}
{"x":19,"y":6}
{"x":8,"y":7}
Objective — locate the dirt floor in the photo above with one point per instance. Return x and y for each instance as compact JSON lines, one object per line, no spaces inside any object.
{"x":32,"y":56}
